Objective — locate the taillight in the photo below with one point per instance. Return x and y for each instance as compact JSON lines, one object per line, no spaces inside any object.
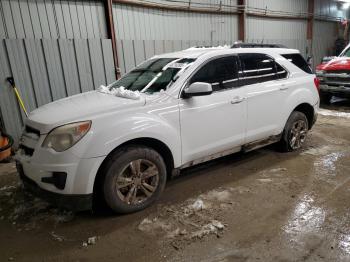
{"x":317,"y":84}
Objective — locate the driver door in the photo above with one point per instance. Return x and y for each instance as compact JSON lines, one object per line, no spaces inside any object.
{"x":214,"y":123}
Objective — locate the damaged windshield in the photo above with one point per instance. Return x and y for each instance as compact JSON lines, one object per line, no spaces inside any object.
{"x":153,"y":75}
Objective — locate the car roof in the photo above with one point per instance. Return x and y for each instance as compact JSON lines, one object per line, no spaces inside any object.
{"x":195,"y":52}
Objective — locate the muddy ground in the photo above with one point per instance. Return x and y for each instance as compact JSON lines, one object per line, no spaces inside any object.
{"x":260,"y":206}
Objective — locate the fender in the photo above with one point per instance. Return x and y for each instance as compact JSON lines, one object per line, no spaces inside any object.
{"x":103,"y":139}
{"x":297,"y":97}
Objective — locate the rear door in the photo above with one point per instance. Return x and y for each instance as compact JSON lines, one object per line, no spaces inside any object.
{"x":267,"y":90}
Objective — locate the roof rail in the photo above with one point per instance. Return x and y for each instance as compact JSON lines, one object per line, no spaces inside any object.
{"x":256,"y":45}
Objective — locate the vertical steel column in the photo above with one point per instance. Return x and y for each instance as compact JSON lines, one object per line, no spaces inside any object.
{"x":241,"y":20}
{"x":310,"y":26}
{"x":111,"y":34}
{"x":310,"y":19}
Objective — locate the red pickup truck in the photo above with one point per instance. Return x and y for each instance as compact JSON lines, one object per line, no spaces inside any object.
{"x":334,"y":76}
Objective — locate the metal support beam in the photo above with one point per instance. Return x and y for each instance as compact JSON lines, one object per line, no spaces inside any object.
{"x":310,"y":20}
{"x":111,"y":34}
{"x":310,"y":28}
{"x":242,"y":20}
{"x":167,"y":7}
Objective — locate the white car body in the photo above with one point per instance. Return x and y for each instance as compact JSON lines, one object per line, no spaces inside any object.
{"x":193,"y":129}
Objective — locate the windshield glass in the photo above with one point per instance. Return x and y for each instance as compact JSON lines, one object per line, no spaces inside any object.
{"x":346,"y":53}
{"x":153,"y":75}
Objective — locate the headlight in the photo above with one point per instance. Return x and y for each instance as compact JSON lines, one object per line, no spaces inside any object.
{"x":63,"y":137}
{"x":319,"y":72}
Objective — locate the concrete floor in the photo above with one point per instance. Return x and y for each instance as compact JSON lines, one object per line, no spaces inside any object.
{"x":263,"y":205}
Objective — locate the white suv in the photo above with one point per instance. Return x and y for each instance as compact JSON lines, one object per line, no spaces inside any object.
{"x":119,"y":144}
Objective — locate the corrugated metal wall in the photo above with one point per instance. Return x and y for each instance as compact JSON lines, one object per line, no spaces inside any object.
{"x":291,"y":33}
{"x":46,"y":70}
{"x":144,"y":32}
{"x":136,"y":23}
{"x":56,"y":48}
{"x":52,"y":19}
{"x":329,"y":8}
{"x":325,"y":34}
{"x":286,"y":6}
{"x":53,"y":49}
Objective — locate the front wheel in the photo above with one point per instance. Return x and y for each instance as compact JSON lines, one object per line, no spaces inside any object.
{"x":295,"y":132}
{"x":135,"y":177}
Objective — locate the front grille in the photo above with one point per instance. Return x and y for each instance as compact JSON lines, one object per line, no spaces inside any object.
{"x":29,"y":129}
{"x":26,"y":150}
{"x":336,"y":78}
{"x":344,"y":71}
{"x":29,"y":140}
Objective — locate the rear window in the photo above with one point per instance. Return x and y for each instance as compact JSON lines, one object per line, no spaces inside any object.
{"x":298,"y":61}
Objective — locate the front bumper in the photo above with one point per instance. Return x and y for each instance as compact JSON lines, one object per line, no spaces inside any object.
{"x":339,"y":91}
{"x":72,"y":202}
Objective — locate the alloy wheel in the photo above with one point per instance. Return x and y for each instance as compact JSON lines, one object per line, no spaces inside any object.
{"x":137,"y":182}
{"x":298,"y":134}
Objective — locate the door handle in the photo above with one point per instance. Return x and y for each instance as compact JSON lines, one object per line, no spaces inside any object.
{"x":237,"y":100}
{"x":283,"y":87}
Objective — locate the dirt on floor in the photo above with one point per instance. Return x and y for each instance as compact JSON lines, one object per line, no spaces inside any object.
{"x":264,"y":205}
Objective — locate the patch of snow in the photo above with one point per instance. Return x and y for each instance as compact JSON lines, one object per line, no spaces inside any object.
{"x":218,"y":195}
{"x":278,"y":169}
{"x":265,"y":180}
{"x":92,"y":240}
{"x":209,"y":47}
{"x":326,"y":112}
{"x":148,"y":225}
{"x":212,"y":228}
{"x":217,"y":224}
{"x":6,"y":188}
{"x":317,"y":151}
{"x":198,"y":205}
{"x":120,"y":92}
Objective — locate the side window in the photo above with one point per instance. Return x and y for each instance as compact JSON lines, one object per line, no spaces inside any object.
{"x":258,"y":68}
{"x":221,"y":73}
{"x":281,"y":72}
{"x":298,"y":61}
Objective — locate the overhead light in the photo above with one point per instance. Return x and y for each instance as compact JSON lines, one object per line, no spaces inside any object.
{"x":346,"y":5}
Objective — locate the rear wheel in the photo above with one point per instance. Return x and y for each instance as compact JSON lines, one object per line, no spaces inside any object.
{"x":295,"y":132}
{"x":135,"y":177}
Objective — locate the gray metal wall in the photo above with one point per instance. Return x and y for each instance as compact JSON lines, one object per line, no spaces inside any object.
{"x":143,"y":32}
{"x":291,"y":33}
{"x":285,"y":6}
{"x":133,"y":52}
{"x":136,"y":23}
{"x":53,"y":49}
{"x":329,"y":8}
{"x":57,"y":48}
{"x":324,"y":36}
{"x":52,"y":19}
{"x":49,"y":69}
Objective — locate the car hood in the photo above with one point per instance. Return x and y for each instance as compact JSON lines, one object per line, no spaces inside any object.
{"x":339,"y":63}
{"x":85,"y":106}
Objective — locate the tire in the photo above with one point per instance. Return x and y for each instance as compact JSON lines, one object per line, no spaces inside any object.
{"x":295,"y":130}
{"x":127,"y":187}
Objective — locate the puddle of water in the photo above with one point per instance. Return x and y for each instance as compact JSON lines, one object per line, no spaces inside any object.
{"x":306,"y":217}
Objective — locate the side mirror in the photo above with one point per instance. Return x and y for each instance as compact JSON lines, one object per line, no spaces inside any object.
{"x":198,"y":89}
